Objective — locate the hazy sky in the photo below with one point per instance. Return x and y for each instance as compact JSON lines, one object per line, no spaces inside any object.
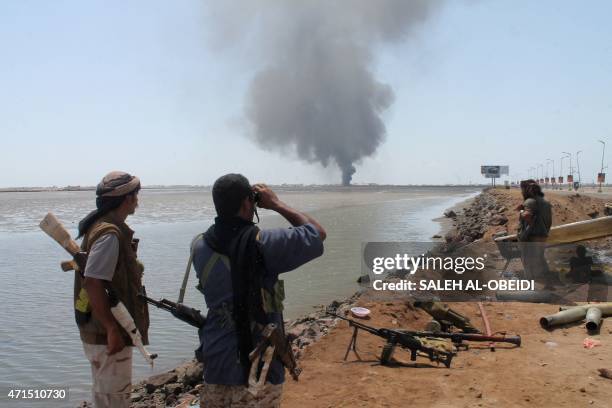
{"x":142,"y":86}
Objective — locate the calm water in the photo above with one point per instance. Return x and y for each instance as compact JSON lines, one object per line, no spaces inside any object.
{"x":39,"y":343}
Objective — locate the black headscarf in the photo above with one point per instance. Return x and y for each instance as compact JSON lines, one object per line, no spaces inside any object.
{"x":236,"y":238}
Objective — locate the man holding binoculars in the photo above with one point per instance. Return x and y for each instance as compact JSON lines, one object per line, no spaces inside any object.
{"x":238,"y":266}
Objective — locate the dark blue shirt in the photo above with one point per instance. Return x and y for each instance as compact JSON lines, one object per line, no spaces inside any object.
{"x":283,"y":250}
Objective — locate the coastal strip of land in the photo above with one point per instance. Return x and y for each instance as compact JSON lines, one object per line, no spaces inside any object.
{"x":550,"y":369}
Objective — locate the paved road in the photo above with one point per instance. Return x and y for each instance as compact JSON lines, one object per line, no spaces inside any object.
{"x":588,"y":191}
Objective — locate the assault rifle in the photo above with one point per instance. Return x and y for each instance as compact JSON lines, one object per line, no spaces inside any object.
{"x":185,"y":313}
{"x":273,"y":343}
{"x":395,"y":338}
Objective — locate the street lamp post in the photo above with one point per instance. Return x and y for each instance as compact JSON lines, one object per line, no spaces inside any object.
{"x":603,"y":151}
{"x":571,"y":170}
{"x":578,"y":168}
{"x":561,"y":173}
{"x":552,"y":178}
{"x":542,"y":173}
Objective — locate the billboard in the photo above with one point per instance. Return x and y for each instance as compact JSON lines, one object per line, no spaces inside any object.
{"x":601,"y":177}
{"x":494,"y":171}
{"x":570,"y":179}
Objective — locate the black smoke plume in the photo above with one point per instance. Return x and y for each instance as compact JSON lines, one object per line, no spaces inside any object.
{"x":315,"y":92}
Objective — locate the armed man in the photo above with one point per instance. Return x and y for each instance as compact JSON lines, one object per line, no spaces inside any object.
{"x":535,"y":220}
{"x":238,"y":267}
{"x":112,"y":267}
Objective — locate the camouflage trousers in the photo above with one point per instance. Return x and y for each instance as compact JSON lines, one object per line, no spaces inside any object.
{"x":238,"y":396}
{"x":111,"y":376}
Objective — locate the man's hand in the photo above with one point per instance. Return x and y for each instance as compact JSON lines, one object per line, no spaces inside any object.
{"x":269,"y":201}
{"x":267,"y":197}
{"x":114,"y":341}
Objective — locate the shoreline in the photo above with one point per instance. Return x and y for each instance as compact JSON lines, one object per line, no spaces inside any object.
{"x":472,"y":381}
{"x":447,"y":222}
{"x":181,"y":385}
{"x":475,"y":218}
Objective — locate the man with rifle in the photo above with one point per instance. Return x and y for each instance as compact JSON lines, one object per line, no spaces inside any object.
{"x":112,"y":267}
{"x":535,"y":220}
{"x":238,"y":266}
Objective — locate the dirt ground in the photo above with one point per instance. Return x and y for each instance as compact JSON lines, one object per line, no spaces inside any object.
{"x":550,"y":369}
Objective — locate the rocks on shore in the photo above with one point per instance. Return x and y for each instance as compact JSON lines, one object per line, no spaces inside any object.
{"x":473,"y":221}
{"x":307,"y":330}
{"x":168,"y":389}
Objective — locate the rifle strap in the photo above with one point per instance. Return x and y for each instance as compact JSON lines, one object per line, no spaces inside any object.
{"x":212,"y":261}
{"x":188,"y":268}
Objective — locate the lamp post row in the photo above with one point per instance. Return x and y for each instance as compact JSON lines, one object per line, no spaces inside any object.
{"x":532,"y":172}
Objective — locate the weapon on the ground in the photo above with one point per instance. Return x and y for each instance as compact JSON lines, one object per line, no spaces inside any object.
{"x":459,"y":338}
{"x":272,"y":343}
{"x":446,"y":316}
{"x":185,"y":313}
{"x":54,"y":228}
{"x":395,"y":338}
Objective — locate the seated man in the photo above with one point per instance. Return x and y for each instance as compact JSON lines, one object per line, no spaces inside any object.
{"x":238,"y":265}
{"x":580,"y":266}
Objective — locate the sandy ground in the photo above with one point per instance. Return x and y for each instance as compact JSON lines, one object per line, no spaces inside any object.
{"x":566,"y":207}
{"x":550,"y":369}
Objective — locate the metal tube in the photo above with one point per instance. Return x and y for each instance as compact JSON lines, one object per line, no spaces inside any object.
{"x":593,"y":319}
{"x":606,"y":308}
{"x":566,"y":316}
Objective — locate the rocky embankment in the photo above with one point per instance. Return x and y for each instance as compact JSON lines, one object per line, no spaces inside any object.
{"x":475,"y":220}
{"x":179,"y":387}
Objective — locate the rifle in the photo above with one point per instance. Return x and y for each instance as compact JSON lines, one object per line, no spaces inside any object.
{"x":272,"y":343}
{"x":185,"y":313}
{"x":395,"y":338}
{"x":459,"y":338}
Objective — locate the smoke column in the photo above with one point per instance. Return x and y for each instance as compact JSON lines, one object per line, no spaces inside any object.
{"x":316,"y":93}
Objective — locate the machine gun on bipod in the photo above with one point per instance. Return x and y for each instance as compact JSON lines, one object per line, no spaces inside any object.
{"x":458,"y":339}
{"x":395,"y":338}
